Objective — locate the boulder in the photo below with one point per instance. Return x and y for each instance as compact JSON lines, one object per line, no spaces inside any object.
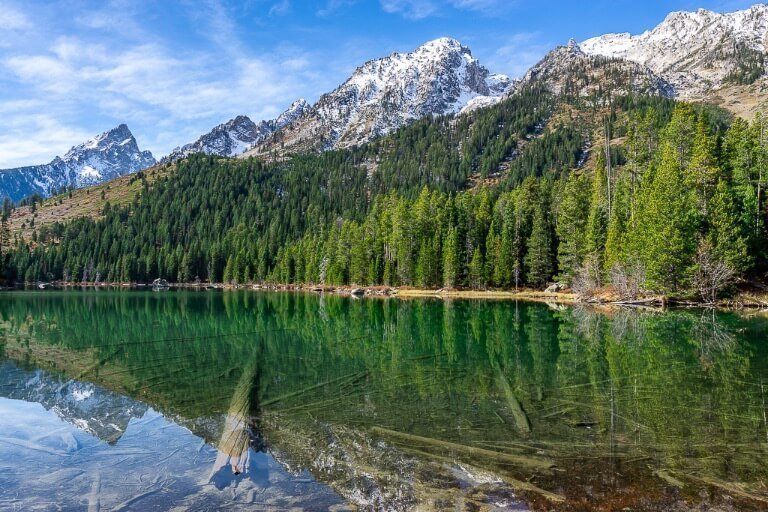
{"x":554,"y":288}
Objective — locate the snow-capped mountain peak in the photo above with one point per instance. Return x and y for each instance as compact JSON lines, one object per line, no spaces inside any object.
{"x":102,"y":158}
{"x":696,"y":52}
{"x":439,"y":77}
{"x":239,"y":134}
{"x":297,"y":109}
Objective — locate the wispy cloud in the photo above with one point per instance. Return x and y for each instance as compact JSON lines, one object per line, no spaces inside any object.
{"x":331,"y":6}
{"x":143,"y":81}
{"x":411,"y":9}
{"x":518,"y":52}
{"x":12,"y":18}
{"x":281,"y":8}
{"x":420,"y":9}
{"x":26,"y":138}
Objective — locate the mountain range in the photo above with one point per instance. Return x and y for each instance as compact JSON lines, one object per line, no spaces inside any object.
{"x":700,"y":55}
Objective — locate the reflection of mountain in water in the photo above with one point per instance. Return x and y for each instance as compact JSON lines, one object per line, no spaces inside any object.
{"x":424,"y":403}
{"x":90,"y":408}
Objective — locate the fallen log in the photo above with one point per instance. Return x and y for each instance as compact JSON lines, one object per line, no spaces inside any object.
{"x":516,"y":408}
{"x":281,"y":398}
{"x":514,"y":483}
{"x":517,"y":460}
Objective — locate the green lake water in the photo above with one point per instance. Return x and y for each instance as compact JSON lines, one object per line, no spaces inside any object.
{"x":203,"y":400}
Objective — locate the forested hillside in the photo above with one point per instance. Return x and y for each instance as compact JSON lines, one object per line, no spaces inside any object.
{"x":638,"y":192}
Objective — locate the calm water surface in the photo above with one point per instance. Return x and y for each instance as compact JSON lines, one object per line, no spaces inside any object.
{"x":117,"y":400}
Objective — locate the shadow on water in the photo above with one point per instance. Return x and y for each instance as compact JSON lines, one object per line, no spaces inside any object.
{"x":393,"y":404}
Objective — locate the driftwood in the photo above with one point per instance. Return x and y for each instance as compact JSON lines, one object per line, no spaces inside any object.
{"x":234,"y":445}
{"x":650,"y":301}
{"x":517,"y":460}
{"x":667,"y":477}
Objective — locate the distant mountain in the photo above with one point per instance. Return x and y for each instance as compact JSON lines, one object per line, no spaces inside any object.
{"x":440,"y":77}
{"x":105,"y":157}
{"x":696,"y":52}
{"x":239,"y":134}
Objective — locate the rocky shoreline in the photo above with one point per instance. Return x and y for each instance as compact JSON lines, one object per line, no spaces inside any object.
{"x":742,"y":300}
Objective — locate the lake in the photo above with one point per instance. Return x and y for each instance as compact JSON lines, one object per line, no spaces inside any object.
{"x":202,"y":400}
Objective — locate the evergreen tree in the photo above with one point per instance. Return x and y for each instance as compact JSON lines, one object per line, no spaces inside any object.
{"x":597,"y":221}
{"x":538,"y":260}
{"x":571,"y":226}
{"x":665,"y":233}
{"x":451,"y":258}
{"x":477,"y":274}
{"x":727,"y":234}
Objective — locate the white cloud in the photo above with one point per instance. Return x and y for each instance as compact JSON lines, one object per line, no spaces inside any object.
{"x":419,"y":9}
{"x":518,"y":52}
{"x":12,"y":18}
{"x":27,"y":139}
{"x":411,"y":9}
{"x":146,"y":84}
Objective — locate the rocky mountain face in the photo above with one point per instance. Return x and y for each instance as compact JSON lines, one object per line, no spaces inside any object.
{"x":696,"y":52}
{"x":440,"y":77}
{"x":103,"y":158}
{"x":238,"y":135}
{"x":568,"y":70}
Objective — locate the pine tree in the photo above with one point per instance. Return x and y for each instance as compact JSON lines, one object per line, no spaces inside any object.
{"x":477,"y":274}
{"x":572,"y":215}
{"x":703,"y":170}
{"x":615,"y":243}
{"x":451,"y":258}
{"x":597,"y":221}
{"x":538,"y":260}
{"x":665,"y":234}
{"x":229,"y":269}
{"x":727,"y":235}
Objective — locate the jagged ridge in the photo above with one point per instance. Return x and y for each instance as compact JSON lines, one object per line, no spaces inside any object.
{"x":568,"y":70}
{"x":238,"y":135}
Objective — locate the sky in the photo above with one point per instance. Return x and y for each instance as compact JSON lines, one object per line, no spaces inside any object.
{"x":173,"y":69}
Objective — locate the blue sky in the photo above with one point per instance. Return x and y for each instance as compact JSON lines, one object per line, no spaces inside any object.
{"x":172,"y":70}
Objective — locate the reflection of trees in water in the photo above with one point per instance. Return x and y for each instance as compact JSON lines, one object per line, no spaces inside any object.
{"x":712,"y":336}
{"x":676,"y":387}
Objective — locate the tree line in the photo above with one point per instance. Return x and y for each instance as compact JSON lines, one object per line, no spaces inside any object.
{"x":683,"y":213}
{"x":673,"y":197}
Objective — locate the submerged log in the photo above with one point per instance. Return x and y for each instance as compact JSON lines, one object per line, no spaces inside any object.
{"x":353,"y":376}
{"x":234,"y":445}
{"x":522,"y":421}
{"x":737,"y":489}
{"x":517,"y":460}
{"x":514,"y":483}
